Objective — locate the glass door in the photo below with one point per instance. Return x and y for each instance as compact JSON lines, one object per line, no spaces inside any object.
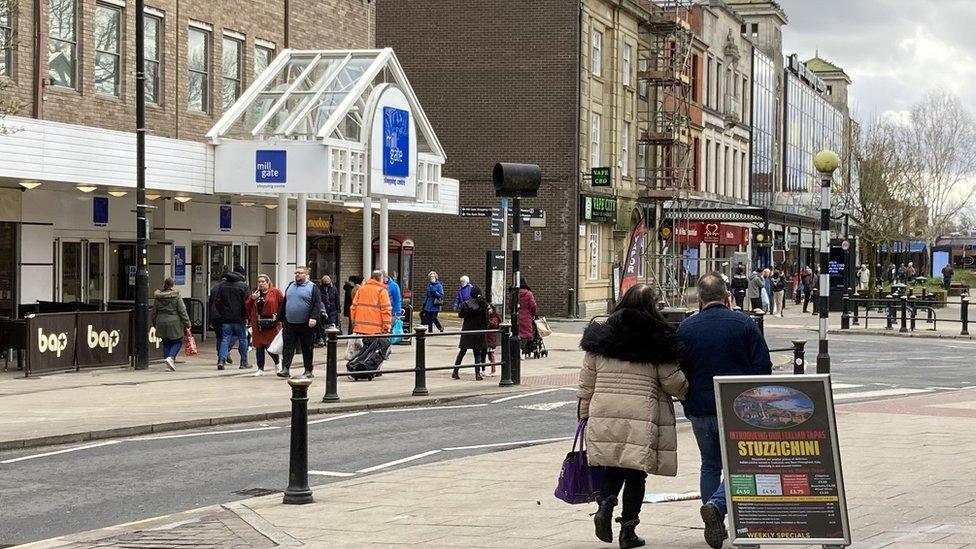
{"x":95,"y":273}
{"x":71,"y":274}
{"x":80,"y":271}
{"x":123,"y":271}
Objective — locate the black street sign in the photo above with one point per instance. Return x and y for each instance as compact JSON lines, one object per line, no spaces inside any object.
{"x":497,"y":223}
{"x":600,"y":177}
{"x":475,"y":211}
{"x":490,"y":211}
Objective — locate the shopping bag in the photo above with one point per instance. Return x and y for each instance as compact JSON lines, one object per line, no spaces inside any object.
{"x":765,"y":299}
{"x":277,"y":344}
{"x":353,"y":347}
{"x":578,"y":482}
{"x":396,"y":328}
{"x":189,"y":342}
{"x":542,"y":325}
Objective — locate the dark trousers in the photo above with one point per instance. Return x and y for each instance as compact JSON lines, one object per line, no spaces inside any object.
{"x":349,"y":329}
{"x":293,"y":335}
{"x":429,"y":319}
{"x":259,"y":355}
{"x":479,"y":358}
{"x":806,"y":299}
{"x":739,"y":297}
{"x":632,"y":481}
{"x":755,"y":303}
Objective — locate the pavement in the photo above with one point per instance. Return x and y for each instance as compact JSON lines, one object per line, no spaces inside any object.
{"x":907,"y":471}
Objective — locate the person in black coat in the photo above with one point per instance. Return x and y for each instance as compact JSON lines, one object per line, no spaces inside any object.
{"x":474,"y":315}
{"x":348,"y":292}
{"x":231,"y":303}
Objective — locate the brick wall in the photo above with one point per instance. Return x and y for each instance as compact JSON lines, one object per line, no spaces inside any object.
{"x":498,"y":81}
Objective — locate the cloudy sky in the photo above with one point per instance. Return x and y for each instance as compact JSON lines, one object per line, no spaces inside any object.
{"x":894,"y":50}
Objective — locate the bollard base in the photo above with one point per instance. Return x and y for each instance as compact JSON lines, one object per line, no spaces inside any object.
{"x":297,"y":497}
{"x":420,"y":392}
{"x":505,"y":383}
{"x":330,"y":398}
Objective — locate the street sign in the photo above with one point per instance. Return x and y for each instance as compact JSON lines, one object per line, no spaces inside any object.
{"x":475,"y":211}
{"x":489,"y":211}
{"x":496,"y":222}
{"x":600,"y":177}
{"x":781,"y":460}
{"x":845,"y":245}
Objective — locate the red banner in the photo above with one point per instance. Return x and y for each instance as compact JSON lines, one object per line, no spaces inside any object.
{"x":629,"y":277}
{"x":712,"y":232}
{"x":688,"y":232}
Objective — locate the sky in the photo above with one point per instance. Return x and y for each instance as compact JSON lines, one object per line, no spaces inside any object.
{"x":893,"y":50}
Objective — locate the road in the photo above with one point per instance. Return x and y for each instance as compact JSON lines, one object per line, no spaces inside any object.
{"x":53,"y":491}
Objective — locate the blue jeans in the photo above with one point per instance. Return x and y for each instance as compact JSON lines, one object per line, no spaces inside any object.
{"x":710,"y":482}
{"x":171,"y":347}
{"x":230,"y":332}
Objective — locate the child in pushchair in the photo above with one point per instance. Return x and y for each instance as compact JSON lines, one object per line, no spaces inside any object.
{"x":535,"y":347}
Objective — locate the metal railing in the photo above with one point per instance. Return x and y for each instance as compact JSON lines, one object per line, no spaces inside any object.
{"x":898,"y":309}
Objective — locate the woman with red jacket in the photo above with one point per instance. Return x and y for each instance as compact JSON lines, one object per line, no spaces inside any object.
{"x":262,"y":314}
{"x":527,"y":312}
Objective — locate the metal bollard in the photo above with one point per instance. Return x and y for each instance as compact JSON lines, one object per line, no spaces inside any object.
{"x":845,"y":317}
{"x":799,"y":361}
{"x":760,"y":320}
{"x":904,"y":314}
{"x":515,"y":355}
{"x":856,"y":321}
{"x":964,"y":315}
{"x":331,"y":363}
{"x":420,"y":371}
{"x":815,"y":298}
{"x":506,"y":331}
{"x":925,"y":293}
{"x":298,"y":492}
{"x":914,"y":303}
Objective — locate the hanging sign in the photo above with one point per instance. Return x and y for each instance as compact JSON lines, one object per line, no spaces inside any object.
{"x":225,"y":217}
{"x":179,"y":265}
{"x":392,"y":144}
{"x":100,"y":211}
{"x":600,"y":177}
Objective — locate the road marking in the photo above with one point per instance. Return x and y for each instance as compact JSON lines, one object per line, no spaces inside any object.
{"x":845,"y":385}
{"x":546,"y":406}
{"x":881,"y":393}
{"x":331,"y":474}
{"x":204,"y":433}
{"x":176,"y":524}
{"x":325,"y":420}
{"x":398,"y":462}
{"x":65,"y":451}
{"x":851,"y":360}
{"x":969,"y":387}
{"x":422,"y":408}
{"x":500,"y":444}
{"x":523,"y":395}
{"x":944,"y":388}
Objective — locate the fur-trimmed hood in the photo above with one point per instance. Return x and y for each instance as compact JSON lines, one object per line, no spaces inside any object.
{"x":633,"y":336}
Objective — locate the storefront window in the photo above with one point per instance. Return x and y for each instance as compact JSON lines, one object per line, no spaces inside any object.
{"x":107,"y":52}
{"x":63,"y":43}
{"x":595,"y":157}
{"x":596,"y":53}
{"x":594,"y":245}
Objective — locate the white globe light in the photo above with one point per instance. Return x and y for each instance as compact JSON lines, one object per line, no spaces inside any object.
{"x":826,"y":161}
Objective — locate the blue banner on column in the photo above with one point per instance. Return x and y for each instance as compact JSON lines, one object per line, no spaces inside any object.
{"x":100,"y":210}
{"x":225,"y":212}
{"x":179,"y":265}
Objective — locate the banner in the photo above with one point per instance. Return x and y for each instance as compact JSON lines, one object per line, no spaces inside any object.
{"x":50,"y":342}
{"x":781,"y":460}
{"x":179,"y":265}
{"x":104,"y":338}
{"x":634,"y":257}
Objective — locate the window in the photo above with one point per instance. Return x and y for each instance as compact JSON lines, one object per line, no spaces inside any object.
{"x":830,"y":90}
{"x":6,"y":35}
{"x":595,"y":141}
{"x":742,"y":28}
{"x":596,"y":54}
{"x":625,"y":150}
{"x":232,"y":70}
{"x":63,"y":43}
{"x":695,"y":97}
{"x":755,"y":29}
{"x":107,"y":49}
{"x":628,"y":57}
{"x":594,"y":244}
{"x":709,"y":82}
{"x":262,"y":58}
{"x":719,"y":89}
{"x":198,"y":70}
{"x":153,"y":28}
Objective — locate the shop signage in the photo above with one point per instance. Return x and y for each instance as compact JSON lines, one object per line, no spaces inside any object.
{"x":179,"y":265}
{"x":393,"y":150}
{"x":688,"y":232}
{"x":711,"y":233}
{"x":270,"y":168}
{"x":277,"y":166}
{"x":781,"y":460}
{"x":600,"y":177}
{"x":806,"y":239}
{"x":527,"y":214}
{"x":497,"y":222}
{"x":104,"y":338}
{"x":100,"y":211}
{"x":321,"y":224}
{"x":50,"y":342}
{"x":601,"y":209}
{"x":225,"y":217}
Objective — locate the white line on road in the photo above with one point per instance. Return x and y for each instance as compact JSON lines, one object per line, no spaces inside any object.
{"x":398,"y":462}
{"x":331,"y":474}
{"x":499,"y":444}
{"x":411,"y":409}
{"x":202,"y":434}
{"x":523,"y":395}
{"x":845,"y":385}
{"x":546,"y":406}
{"x":944,"y":388}
{"x":325,"y":420}
{"x":881,"y":393}
{"x":65,"y":451}
{"x":969,"y":387}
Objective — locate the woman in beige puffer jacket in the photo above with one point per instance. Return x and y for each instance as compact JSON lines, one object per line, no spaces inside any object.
{"x":630,"y":372}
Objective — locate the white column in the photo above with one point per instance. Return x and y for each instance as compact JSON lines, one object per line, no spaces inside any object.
{"x":281,"y":248}
{"x":367,"y":236}
{"x":384,"y":255}
{"x":301,"y":223}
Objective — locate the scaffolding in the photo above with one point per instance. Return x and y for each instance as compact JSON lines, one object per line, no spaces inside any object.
{"x":666,"y":159}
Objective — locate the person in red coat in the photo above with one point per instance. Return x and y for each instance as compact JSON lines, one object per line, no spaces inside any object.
{"x":262,"y":314}
{"x":527,"y":312}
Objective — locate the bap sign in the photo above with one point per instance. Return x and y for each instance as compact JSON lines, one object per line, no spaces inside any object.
{"x":270,"y":168}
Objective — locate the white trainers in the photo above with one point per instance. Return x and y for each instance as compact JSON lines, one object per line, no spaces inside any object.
{"x":170,"y":364}
{"x":258,"y":373}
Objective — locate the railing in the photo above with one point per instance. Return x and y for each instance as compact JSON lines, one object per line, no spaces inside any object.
{"x":903,"y":309}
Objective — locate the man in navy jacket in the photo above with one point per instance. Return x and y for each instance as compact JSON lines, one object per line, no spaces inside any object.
{"x":718,"y":342}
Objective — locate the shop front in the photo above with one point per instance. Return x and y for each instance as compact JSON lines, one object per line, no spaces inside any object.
{"x":599,"y":260}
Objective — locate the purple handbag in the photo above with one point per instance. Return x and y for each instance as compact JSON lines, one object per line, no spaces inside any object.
{"x":578,"y":482}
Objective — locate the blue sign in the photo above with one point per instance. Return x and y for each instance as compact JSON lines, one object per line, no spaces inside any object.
{"x":179,"y":265}
{"x":396,"y":142}
{"x":225,"y":217}
{"x":100,"y":210}
{"x":270,"y":167}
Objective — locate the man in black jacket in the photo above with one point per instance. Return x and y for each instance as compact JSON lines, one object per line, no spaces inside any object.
{"x":231,"y":301}
{"x":330,"y":308}
{"x":300,"y":312}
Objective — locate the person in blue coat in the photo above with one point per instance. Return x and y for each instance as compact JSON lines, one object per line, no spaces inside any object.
{"x":396,"y":297}
{"x":432,"y":303}
{"x":463,"y":293}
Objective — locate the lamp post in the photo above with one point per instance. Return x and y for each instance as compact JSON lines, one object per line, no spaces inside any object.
{"x":826,"y":162}
{"x":142,"y":227}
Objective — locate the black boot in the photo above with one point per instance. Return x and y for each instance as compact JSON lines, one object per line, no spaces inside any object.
{"x":603,"y":518}
{"x":628,"y":538}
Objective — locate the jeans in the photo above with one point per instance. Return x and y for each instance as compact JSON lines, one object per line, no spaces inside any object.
{"x":293,"y":335}
{"x":430,"y":320}
{"x":232,"y":331}
{"x":779,"y":301}
{"x":171,"y":347}
{"x":710,"y":480}
{"x":259,"y":356}
{"x":479,"y":358}
{"x":632,"y":481}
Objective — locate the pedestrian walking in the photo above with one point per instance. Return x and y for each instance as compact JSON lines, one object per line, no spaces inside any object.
{"x":263,"y":306}
{"x":371,"y":310}
{"x":910,"y":272}
{"x":740,"y":285}
{"x":806,"y":283}
{"x":778,"y":282}
{"x":863,"y":278}
{"x":463,"y":293}
{"x":767,"y":291}
{"x":330,"y":309}
{"x":527,"y":312}
{"x":754,"y":291}
{"x":433,"y":303}
{"x":630,"y":372}
{"x":892,"y":273}
{"x":396,"y":297}
{"x":171,"y":321}
{"x":716,"y":342}
{"x":349,"y":289}
{"x":474,"y":316}
{"x":214,"y":320}
{"x":232,"y":307}
{"x":491,"y":340}
{"x":301,"y":307}
{"x":947,"y":274}
{"x":902,"y":273}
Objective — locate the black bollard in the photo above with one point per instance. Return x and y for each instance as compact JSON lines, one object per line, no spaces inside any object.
{"x":913,"y":301}
{"x":506,"y":331}
{"x":845,"y":317}
{"x":890,"y":313}
{"x":904,"y":314}
{"x":799,"y":362}
{"x":856,"y":321}
{"x":515,"y":355}
{"x":420,"y":372}
{"x":964,"y":315}
{"x":298,"y":492}
{"x":815,"y":299}
{"x":331,"y":363}
{"x":760,"y":320}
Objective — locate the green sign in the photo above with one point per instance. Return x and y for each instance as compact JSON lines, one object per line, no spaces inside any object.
{"x":602,"y":209}
{"x":600,"y":177}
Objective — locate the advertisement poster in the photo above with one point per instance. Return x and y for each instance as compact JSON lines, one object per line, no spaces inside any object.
{"x":104,"y":338}
{"x":179,"y":265}
{"x":782,"y":463}
{"x":100,"y":211}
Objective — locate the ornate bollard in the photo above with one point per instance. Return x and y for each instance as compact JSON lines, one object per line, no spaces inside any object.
{"x":845,"y":317}
{"x":964,"y":315}
{"x":298,"y":492}
{"x":799,"y":362}
{"x":904,"y":314}
{"x":506,"y":331}
{"x":420,"y":372}
{"x":331,"y":377}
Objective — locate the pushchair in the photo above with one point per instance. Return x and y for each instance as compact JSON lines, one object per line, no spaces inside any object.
{"x":535,"y":347}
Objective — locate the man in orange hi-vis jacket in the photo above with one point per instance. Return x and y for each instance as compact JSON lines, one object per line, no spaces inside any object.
{"x":371,"y":311}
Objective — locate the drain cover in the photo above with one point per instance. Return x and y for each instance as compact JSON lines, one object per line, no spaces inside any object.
{"x":256,"y":492}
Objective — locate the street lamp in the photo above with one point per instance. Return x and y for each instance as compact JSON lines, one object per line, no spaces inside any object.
{"x":826,"y":162}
